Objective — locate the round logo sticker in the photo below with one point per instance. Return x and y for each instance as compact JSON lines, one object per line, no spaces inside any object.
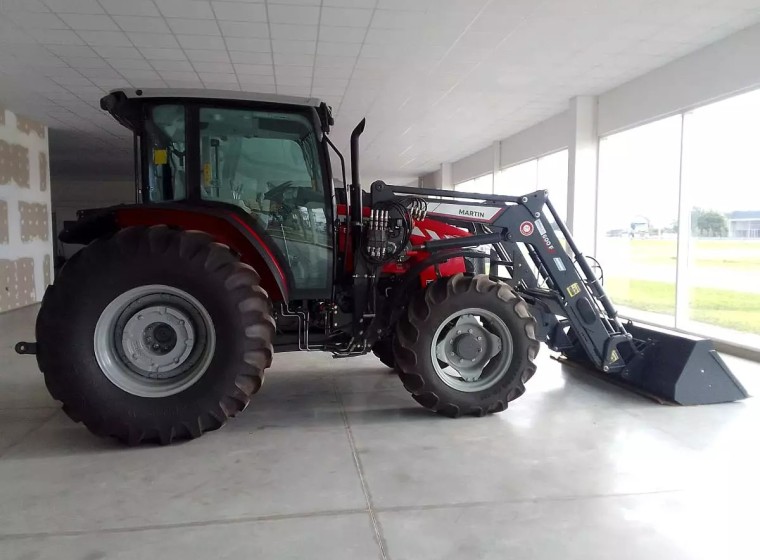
{"x":526,"y":228}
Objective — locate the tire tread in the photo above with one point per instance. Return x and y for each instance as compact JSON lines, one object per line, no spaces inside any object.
{"x":241,"y":282}
{"x":413,"y":323}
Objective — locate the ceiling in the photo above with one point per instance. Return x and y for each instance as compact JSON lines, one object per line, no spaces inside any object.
{"x":436,"y":79}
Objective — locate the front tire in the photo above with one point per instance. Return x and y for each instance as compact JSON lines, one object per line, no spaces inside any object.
{"x":154,"y":335}
{"x":466,"y":346}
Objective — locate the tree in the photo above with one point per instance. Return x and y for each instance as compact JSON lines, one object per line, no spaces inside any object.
{"x":708,"y":223}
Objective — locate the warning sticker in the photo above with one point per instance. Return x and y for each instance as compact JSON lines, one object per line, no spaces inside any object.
{"x":559,"y":264}
{"x":540,"y":227}
{"x":574,"y":289}
{"x":614,"y":356}
{"x":526,"y":228}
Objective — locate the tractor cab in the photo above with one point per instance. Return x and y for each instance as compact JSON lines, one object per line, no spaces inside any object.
{"x":263,"y":157}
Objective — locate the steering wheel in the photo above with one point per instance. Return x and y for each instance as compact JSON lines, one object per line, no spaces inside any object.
{"x":302,"y":195}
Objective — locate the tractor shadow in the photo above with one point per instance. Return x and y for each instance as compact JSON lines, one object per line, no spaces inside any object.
{"x":287,"y":400}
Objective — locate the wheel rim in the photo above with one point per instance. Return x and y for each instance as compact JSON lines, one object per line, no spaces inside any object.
{"x":154,"y":341}
{"x":471,"y":350}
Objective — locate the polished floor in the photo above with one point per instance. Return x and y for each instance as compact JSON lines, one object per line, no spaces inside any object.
{"x":333,"y":460}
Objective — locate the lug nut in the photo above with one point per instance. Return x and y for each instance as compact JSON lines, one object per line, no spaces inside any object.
{"x":469,"y":331}
{"x":480,"y":338}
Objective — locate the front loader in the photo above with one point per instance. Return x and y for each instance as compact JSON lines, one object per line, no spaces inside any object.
{"x":240,"y":246}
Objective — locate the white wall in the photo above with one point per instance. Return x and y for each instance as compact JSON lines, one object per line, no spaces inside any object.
{"x":26,"y":246}
{"x":70,"y":195}
{"x":432,"y":180}
{"x":719,"y":70}
{"x":473,"y":166}
{"x":543,"y":138}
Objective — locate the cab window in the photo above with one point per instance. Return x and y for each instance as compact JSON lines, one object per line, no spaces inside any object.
{"x":165,"y":142}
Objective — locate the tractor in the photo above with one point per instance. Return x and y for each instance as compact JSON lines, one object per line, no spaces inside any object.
{"x":242,"y":244}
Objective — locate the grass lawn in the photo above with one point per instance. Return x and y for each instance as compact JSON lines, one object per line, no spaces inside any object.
{"x":725,"y":308}
{"x":704,"y":253}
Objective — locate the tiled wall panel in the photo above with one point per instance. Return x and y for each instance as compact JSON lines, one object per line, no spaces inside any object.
{"x":26,"y":246}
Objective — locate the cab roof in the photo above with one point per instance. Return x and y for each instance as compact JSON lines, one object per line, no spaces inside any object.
{"x":222,"y":94}
{"x":123,"y":104}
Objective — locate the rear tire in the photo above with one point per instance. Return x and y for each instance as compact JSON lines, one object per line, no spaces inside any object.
{"x":383,"y":349}
{"x":507,"y":334}
{"x":93,"y":327}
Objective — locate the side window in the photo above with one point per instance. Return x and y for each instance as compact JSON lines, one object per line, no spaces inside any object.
{"x":165,"y":151}
{"x":267,"y":163}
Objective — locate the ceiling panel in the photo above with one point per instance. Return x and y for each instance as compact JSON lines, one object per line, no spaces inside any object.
{"x":437,"y":79}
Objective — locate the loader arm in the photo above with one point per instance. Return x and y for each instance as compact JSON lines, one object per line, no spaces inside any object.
{"x":529,"y":239}
{"x":558,"y":285}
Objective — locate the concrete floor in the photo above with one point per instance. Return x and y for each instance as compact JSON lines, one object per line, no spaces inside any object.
{"x":333,"y":460}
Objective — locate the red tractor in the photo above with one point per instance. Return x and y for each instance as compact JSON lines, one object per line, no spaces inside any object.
{"x":241,"y":245}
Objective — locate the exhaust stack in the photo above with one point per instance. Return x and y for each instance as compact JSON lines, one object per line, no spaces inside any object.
{"x":356,"y":189}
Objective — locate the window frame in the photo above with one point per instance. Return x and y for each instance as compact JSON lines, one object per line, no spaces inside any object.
{"x":681,"y":316}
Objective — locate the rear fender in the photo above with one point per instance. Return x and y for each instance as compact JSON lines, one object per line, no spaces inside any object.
{"x":225,"y":226}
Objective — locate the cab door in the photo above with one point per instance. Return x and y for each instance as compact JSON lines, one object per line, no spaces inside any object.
{"x":267,"y":164}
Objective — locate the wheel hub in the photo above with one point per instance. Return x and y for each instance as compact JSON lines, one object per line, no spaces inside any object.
{"x":464,"y":352}
{"x":467,"y":346}
{"x":163,"y":335}
{"x":158,"y":339}
{"x":154,"y":341}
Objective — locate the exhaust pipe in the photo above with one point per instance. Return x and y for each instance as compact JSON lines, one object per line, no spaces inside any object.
{"x":357,"y":211}
{"x":356,"y":189}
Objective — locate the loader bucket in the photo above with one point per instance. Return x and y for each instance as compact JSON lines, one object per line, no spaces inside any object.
{"x":680,"y":368}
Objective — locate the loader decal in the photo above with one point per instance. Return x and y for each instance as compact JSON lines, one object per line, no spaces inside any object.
{"x":574,"y":289}
{"x":526,"y":228}
{"x":542,"y":230}
{"x":471,"y":213}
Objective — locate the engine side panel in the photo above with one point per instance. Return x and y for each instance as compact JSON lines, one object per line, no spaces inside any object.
{"x":430,"y":230}
{"x":424,"y":230}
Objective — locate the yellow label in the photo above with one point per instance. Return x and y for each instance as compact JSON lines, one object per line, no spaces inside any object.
{"x":160,"y":157}
{"x":207,"y":173}
{"x":614,"y":356}
{"x":574,"y":289}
